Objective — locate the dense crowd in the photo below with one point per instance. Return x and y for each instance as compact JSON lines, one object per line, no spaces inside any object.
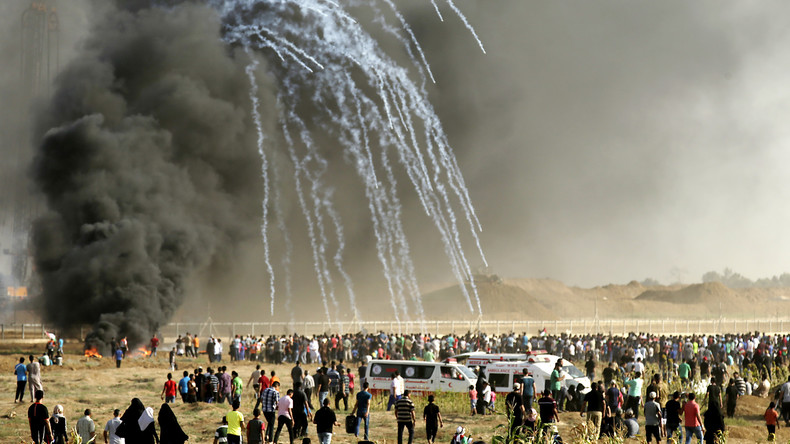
{"x":721,"y":368}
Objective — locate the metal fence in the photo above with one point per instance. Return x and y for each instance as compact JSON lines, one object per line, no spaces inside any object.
{"x":580,"y":326}
{"x":531,"y":327}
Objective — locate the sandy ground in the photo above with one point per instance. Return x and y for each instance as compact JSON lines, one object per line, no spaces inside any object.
{"x":93,"y":383}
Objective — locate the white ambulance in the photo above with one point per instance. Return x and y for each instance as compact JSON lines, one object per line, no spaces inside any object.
{"x":502,"y":375}
{"x":419,"y":376}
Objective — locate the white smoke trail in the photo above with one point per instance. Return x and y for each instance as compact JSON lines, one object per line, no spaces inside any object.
{"x":256,"y":117}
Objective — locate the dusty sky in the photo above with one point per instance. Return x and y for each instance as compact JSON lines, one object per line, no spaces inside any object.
{"x":606,"y":141}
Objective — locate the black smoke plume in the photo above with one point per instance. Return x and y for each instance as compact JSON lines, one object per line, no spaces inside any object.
{"x":148,"y":165}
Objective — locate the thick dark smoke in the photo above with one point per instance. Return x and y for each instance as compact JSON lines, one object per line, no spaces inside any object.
{"x":148,"y":169}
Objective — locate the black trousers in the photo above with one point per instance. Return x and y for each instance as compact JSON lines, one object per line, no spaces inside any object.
{"x":410,"y":427}
{"x":20,"y":390}
{"x":338,"y":397}
{"x":430,"y":432}
{"x":269,"y":424}
{"x":309,"y":393}
{"x":286,"y":421}
{"x":300,"y":425}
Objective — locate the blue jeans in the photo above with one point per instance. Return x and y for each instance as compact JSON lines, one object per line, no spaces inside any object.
{"x":693,"y":431}
{"x":367,"y":425}
{"x":391,"y":402}
{"x":321,"y":397}
{"x":325,"y":438}
{"x":673,"y":430}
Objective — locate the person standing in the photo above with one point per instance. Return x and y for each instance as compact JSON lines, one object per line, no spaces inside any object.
{"x":362,"y":409}
{"x":255,"y":428}
{"x":404,"y":414}
{"x":342,"y":390}
{"x":221,"y":434}
{"x":111,"y":427}
{"x":692,"y":419}
{"x":514,"y":406}
{"x":654,"y":426}
{"x":325,"y":420}
{"x":555,"y":381}
{"x":170,"y":431}
{"x":154,"y":346}
{"x":183,"y":386}
{"x":86,"y":428}
{"x":237,"y":385}
{"x":732,"y":397}
{"x":169,"y":390}
{"x":235,"y":424}
{"x":595,"y":405}
{"x":34,"y":376}
{"x":785,"y":394}
{"x":547,"y":407}
{"x":256,"y":385}
{"x":713,"y":394}
{"x":58,"y":424}
{"x":188,"y":350}
{"x":634,"y":393}
{"x":433,"y":419}
{"x":528,"y":389}
{"x":309,"y":385}
{"x":118,"y":357}
{"x":395,"y":390}
{"x":296,"y":373}
{"x":285,"y":416}
{"x":301,"y":411}
{"x":672,"y":411}
{"x":269,"y":400}
{"x":322,"y":385}
{"x":771,"y":421}
{"x":20,"y":370}
{"x":38,"y":417}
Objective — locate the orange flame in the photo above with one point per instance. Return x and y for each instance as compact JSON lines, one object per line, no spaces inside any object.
{"x":92,"y":353}
{"x":142,"y":352}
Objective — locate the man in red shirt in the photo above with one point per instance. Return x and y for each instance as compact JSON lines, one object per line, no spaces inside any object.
{"x":693,"y":421}
{"x":169,"y":390}
{"x":154,"y":345}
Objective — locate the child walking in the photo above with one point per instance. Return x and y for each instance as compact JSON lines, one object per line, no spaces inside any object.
{"x":473,"y":398}
{"x":771,"y":421}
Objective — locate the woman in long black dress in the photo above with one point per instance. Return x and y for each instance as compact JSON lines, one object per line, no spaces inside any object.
{"x":169,"y":430}
{"x":58,"y":423}
{"x":714,"y":423}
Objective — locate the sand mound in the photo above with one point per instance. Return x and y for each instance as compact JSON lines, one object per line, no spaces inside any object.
{"x":501,"y":300}
{"x":709,"y":292}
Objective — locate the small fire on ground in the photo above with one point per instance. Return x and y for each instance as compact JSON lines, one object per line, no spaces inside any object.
{"x":92,"y":353}
{"x":142,"y":352}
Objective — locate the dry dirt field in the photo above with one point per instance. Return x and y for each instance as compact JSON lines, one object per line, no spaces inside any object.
{"x":95,"y":383}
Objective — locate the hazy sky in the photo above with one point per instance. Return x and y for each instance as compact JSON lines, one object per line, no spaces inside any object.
{"x":606,"y":141}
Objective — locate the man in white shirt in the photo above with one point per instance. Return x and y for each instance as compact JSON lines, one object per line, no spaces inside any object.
{"x":109,"y":430}
{"x":85,"y":427}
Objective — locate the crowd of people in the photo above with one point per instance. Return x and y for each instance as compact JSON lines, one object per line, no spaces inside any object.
{"x":616,"y":399}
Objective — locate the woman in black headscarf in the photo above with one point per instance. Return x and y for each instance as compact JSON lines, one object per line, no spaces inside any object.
{"x":169,"y":430}
{"x":130,"y":425}
{"x":714,"y":423}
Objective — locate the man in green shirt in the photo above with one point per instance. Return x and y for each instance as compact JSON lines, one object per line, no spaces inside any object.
{"x":555,"y":380}
{"x":634,"y":393}
{"x":236,"y":386}
{"x":683,"y":372}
